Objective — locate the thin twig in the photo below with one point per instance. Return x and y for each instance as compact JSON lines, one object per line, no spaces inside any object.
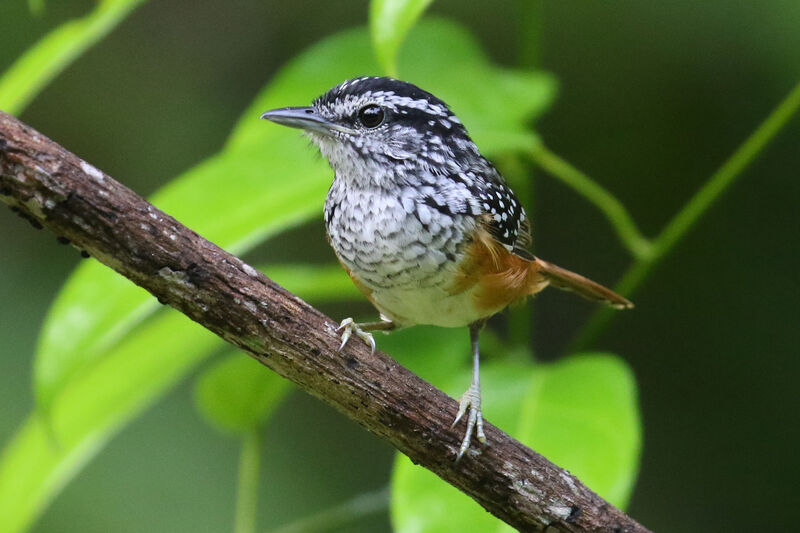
{"x":247,"y":486}
{"x":55,"y":189}
{"x":697,"y":206}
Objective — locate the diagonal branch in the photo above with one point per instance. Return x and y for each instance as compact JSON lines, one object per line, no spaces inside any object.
{"x":55,"y":189}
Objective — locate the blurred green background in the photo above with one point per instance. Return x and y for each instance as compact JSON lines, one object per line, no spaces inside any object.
{"x":653,"y":97}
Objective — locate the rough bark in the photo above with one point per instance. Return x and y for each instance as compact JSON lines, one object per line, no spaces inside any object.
{"x":53,"y":188}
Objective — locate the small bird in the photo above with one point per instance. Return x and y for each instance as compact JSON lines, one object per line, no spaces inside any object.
{"x":425,"y":226}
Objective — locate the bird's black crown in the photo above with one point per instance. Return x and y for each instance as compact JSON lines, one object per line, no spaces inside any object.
{"x":377,"y":84}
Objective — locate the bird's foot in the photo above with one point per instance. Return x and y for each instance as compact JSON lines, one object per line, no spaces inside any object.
{"x":470,"y":400}
{"x":347,"y":327}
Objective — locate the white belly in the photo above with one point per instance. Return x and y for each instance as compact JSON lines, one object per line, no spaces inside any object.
{"x":427,"y":305}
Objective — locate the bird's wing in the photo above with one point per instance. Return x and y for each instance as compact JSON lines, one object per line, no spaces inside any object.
{"x":503,"y":216}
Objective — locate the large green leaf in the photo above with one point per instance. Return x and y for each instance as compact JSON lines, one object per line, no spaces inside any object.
{"x":581,"y":413}
{"x":315,"y":283}
{"x":45,"y":454}
{"x":237,"y":396}
{"x":433,"y":353}
{"x":242,"y":196}
{"x":389,"y":22}
{"x":498,"y":107}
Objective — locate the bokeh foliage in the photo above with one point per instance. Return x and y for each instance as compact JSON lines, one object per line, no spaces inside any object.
{"x":107,"y":351}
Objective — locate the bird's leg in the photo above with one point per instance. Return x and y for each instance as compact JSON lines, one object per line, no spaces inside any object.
{"x":471,"y":399}
{"x":347,"y":327}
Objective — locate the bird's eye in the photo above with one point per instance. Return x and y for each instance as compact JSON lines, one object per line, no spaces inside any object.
{"x":371,"y":116}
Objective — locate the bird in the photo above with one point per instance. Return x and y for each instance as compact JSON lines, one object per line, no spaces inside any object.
{"x":425,"y":226}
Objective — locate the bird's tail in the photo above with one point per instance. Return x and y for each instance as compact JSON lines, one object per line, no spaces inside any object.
{"x":570,"y":281}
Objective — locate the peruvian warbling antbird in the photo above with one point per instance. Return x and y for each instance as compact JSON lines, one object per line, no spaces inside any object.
{"x":425,"y":226}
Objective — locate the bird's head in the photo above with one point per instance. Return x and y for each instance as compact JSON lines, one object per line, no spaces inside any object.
{"x":378,"y":129}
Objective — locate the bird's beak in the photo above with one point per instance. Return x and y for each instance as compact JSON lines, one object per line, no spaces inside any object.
{"x":305,"y":118}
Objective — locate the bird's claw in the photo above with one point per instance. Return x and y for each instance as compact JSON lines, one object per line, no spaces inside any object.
{"x":347,"y":327}
{"x":470,"y":400}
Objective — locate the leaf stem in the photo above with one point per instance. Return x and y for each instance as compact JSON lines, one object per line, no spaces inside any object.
{"x":697,"y":206}
{"x":247,"y":487}
{"x":611,"y":207}
{"x":530,"y":17}
{"x":339,"y":515}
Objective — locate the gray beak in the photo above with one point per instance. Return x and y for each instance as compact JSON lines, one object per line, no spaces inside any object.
{"x":305,"y":118}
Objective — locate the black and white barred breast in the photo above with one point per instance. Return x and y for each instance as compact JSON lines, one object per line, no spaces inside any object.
{"x":406,"y":201}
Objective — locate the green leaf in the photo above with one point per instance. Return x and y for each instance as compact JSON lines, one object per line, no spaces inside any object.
{"x":237,"y":394}
{"x":55,"y":51}
{"x":581,"y":413}
{"x":45,"y":454}
{"x":498,"y":108}
{"x":389,"y":22}
{"x":97,"y":307}
{"x":421,"y":501}
{"x":432,"y":353}
{"x":315,"y":283}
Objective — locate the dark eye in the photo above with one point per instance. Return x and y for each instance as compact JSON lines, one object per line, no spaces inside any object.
{"x":371,"y":116}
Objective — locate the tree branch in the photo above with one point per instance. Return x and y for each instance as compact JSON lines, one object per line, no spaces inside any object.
{"x":54,"y":188}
